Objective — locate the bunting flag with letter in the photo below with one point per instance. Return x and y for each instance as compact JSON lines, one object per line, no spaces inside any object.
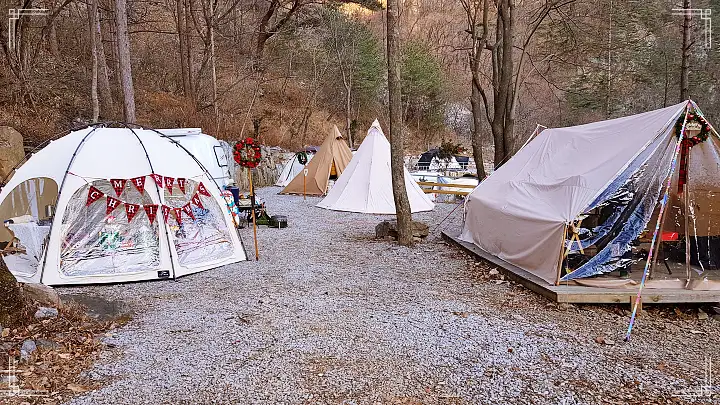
{"x":169,"y":181}
{"x":202,"y":190}
{"x":188,"y":210}
{"x":151,"y":211}
{"x":93,"y":195}
{"x":111,"y":204}
{"x":158,"y":179}
{"x":178,"y":215}
{"x":165,"y":211}
{"x":131,"y":210}
{"x":196,"y":200}
{"x":139,"y":183}
{"x":118,"y":185}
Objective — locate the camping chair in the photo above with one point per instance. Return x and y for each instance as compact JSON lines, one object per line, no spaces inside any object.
{"x":668,"y":237}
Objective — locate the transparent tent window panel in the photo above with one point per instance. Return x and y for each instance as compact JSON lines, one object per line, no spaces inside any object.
{"x":94,"y":243}
{"x":31,"y":204}
{"x":203,"y":239}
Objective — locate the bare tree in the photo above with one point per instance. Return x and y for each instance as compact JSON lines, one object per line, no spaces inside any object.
{"x":397,"y":161}
{"x":92,"y":14}
{"x":686,"y":45}
{"x":505,"y":78}
{"x":123,"y":48}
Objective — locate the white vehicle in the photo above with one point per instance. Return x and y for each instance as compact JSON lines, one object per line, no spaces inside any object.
{"x":206,"y":149}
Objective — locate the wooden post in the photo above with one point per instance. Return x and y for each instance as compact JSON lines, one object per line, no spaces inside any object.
{"x":562,"y":256}
{"x":687,"y":225}
{"x":252,"y":211}
{"x":632,"y":304}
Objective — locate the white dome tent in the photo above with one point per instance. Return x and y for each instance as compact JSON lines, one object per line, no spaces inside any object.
{"x":118,"y":215}
{"x":365,"y":185}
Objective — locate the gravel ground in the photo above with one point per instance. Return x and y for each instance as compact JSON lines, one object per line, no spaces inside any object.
{"x":331,"y":316}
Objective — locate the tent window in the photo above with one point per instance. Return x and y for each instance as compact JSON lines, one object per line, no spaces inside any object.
{"x":94,"y":243}
{"x":29,"y":207}
{"x":204,"y":239}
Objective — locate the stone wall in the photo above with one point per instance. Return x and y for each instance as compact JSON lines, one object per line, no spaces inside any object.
{"x":266,"y":174}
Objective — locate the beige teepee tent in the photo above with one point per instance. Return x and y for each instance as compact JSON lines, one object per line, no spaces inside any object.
{"x":334,"y":152}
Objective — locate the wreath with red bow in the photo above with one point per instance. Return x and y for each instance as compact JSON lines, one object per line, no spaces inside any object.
{"x":700,"y":121}
{"x":247,"y":153}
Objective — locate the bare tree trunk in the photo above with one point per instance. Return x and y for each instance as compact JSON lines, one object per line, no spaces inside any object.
{"x":182,"y":51}
{"x":402,"y":204}
{"x":213,"y":67}
{"x":686,"y":45}
{"x":92,"y":14}
{"x":348,"y":111}
{"x":105,"y":90}
{"x":477,"y":110}
{"x":12,"y":301}
{"x":123,"y":45}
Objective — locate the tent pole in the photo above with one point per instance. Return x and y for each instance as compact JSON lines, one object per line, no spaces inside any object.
{"x":562,"y":255}
{"x":687,"y":224}
{"x":252,"y":210}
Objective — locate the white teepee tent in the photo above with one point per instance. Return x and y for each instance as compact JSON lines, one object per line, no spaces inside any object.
{"x":366,"y":185}
{"x":291,"y":169}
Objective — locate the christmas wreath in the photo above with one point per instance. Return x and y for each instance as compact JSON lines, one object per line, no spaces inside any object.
{"x":302,"y":157}
{"x":694,"y":121}
{"x":247,"y":153}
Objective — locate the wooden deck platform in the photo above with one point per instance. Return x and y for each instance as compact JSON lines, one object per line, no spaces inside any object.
{"x":585,"y":295}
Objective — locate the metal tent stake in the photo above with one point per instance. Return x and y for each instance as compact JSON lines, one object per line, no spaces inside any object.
{"x":252,"y":211}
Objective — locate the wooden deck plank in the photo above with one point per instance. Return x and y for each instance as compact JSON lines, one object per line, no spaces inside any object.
{"x":575,"y":294}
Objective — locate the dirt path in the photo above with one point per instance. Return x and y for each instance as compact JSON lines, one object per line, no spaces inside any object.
{"x":331,"y":316}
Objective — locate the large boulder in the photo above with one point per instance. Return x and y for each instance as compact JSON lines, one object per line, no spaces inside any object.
{"x":11,"y":150}
{"x":389,"y":229}
{"x":42,"y":294}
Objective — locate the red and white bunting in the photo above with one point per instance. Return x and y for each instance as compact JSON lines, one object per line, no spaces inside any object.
{"x":93,"y":195}
{"x":202,"y":190}
{"x":181,"y":184}
{"x":169,"y":181}
{"x":178,"y":215}
{"x":188,"y":210}
{"x":166,"y":212}
{"x":139,"y":183}
{"x":151,"y":211}
{"x":118,"y":185}
{"x":111,"y":204}
{"x":131,"y":210}
{"x":158,"y":179}
{"x":196,"y":200}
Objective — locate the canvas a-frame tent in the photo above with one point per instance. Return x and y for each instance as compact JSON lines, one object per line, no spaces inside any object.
{"x":81,"y":243}
{"x":334,"y":152}
{"x":533,"y":212}
{"x":292,"y":168}
{"x":366,"y":184}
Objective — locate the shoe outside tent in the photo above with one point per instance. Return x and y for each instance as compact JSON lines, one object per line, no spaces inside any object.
{"x":595,"y":192}
{"x":329,"y":162}
{"x":291,"y":169}
{"x":366,"y":184}
{"x":112,"y":205}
